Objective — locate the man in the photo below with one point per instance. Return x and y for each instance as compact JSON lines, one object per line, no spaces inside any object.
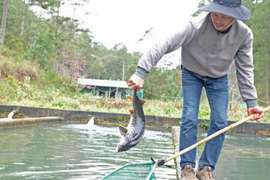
{"x":209,"y":47}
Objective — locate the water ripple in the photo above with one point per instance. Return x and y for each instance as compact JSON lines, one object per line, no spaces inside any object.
{"x":88,"y":152}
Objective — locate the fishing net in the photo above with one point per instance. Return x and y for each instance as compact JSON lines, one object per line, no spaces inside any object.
{"x":138,"y":171}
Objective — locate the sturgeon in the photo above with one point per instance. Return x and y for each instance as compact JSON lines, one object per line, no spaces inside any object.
{"x":132,"y":135}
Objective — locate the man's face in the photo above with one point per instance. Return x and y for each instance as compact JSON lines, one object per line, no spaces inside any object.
{"x":221,"y":21}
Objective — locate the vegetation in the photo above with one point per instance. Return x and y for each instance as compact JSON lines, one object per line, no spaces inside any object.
{"x":17,"y":89}
{"x":41,"y":60}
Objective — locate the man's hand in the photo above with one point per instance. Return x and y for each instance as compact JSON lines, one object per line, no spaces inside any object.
{"x":135,"y":82}
{"x":257,"y":111}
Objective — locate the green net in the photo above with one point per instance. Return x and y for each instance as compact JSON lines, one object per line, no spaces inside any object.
{"x":139,"y":171}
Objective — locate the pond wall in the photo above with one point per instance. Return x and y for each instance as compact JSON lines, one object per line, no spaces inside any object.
{"x":114,"y":119}
{"x":23,"y":122}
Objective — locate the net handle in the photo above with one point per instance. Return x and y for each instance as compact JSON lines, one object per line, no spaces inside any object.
{"x":212,"y":136}
{"x":151,"y":172}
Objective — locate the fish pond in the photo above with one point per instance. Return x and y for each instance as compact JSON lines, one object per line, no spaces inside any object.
{"x":87,"y":152}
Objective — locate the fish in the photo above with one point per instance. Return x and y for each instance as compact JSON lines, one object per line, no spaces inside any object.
{"x":134,"y":132}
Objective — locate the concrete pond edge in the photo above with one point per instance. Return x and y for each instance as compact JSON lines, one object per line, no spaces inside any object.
{"x":114,"y":119}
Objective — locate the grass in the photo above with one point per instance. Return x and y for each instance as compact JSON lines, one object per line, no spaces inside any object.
{"x":21,"y":85}
{"x":14,"y":92}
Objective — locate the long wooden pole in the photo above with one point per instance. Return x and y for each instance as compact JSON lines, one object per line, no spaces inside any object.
{"x":204,"y":140}
{"x":213,"y":135}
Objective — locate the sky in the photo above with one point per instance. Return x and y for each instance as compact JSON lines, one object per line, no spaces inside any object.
{"x":125,"y":21}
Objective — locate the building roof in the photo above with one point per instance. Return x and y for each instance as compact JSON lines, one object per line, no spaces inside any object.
{"x":102,"y":83}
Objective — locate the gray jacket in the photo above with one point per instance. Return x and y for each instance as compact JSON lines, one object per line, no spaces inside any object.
{"x":209,"y":53}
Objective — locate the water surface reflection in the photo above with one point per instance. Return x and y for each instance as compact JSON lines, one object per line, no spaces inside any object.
{"x":88,"y":152}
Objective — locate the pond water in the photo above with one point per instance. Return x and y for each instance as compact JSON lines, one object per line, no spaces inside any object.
{"x":81,"y":152}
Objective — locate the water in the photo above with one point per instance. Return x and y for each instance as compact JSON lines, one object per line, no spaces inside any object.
{"x":74,"y":152}
{"x":81,"y":152}
{"x":244,"y":158}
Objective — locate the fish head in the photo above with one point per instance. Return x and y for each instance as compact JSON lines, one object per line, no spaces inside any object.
{"x":123,"y":145}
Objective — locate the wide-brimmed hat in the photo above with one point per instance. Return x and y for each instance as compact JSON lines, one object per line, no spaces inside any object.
{"x":231,"y":8}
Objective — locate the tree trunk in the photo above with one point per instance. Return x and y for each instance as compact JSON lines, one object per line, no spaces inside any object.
{"x":22,"y":24}
{"x":266,"y":83}
{"x":4,"y":20}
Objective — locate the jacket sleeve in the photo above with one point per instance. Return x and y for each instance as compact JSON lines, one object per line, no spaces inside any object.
{"x":166,"y":45}
{"x":244,"y":71}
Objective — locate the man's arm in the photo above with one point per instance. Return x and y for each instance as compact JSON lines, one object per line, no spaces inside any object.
{"x":245,"y":77}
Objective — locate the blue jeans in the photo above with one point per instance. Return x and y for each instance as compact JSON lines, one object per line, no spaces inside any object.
{"x":217,"y":94}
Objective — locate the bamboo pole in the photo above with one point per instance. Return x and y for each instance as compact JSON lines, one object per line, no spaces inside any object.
{"x":212,"y":136}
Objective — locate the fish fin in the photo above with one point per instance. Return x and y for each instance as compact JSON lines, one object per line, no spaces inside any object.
{"x":142,"y":101}
{"x":123,"y":130}
{"x":131,"y":111}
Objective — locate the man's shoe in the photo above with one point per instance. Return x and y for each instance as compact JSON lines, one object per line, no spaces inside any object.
{"x":205,"y":173}
{"x":188,"y":173}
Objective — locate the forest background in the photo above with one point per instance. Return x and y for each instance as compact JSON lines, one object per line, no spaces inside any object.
{"x":41,"y":59}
